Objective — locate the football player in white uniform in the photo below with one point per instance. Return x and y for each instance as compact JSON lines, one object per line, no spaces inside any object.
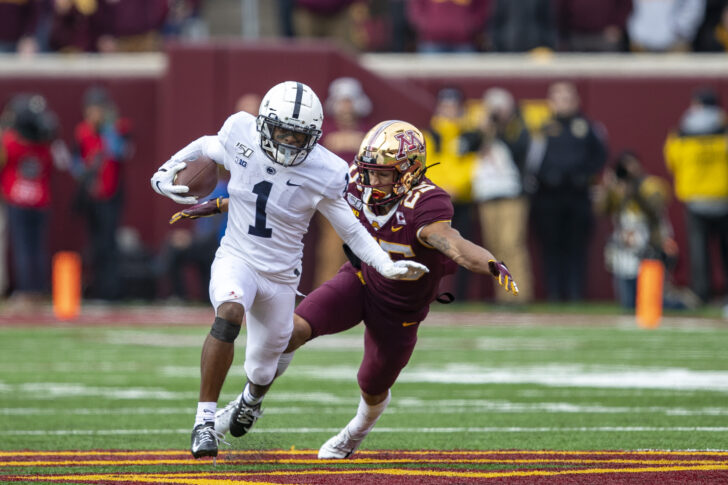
{"x":273,"y":195}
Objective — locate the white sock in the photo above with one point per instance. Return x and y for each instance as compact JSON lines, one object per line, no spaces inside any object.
{"x":283,"y":363}
{"x":248,"y":397}
{"x":366,"y":417}
{"x":205,"y":412}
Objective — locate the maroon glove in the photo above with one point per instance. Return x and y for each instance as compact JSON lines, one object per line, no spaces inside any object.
{"x":204,"y":209}
{"x":499,"y":270}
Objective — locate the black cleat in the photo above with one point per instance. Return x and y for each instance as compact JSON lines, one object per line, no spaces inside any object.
{"x":205,"y":440}
{"x":244,"y":417}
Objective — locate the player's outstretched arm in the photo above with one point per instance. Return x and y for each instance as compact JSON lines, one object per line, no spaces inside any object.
{"x":204,"y":209}
{"x":470,"y":256}
{"x":364,"y":246}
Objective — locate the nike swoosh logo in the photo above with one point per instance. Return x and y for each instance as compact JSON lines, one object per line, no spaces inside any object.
{"x":409,"y":324}
{"x":395,"y":229}
{"x":288,"y":182}
{"x":157,"y":184}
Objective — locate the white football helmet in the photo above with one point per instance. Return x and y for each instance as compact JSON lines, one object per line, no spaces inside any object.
{"x":291,"y":106}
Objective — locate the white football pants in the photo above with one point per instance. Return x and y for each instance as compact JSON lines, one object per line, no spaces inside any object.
{"x":268,"y":312}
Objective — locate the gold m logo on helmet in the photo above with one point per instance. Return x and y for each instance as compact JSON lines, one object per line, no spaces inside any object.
{"x":408,"y":142}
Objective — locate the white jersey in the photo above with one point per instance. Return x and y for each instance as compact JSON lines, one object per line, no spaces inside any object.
{"x":271,"y":205}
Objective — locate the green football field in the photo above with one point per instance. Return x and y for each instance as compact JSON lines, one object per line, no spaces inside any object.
{"x":476,"y":382}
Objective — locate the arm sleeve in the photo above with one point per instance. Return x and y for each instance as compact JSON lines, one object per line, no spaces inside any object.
{"x":354,"y":234}
{"x":208,"y":146}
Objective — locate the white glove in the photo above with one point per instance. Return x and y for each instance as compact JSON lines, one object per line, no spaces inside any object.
{"x":403,"y":270}
{"x":163,"y":183}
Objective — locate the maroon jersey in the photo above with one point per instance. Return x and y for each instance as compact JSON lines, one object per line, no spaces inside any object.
{"x":397,"y":233}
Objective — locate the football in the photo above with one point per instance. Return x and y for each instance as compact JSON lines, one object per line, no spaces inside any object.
{"x":200,"y":175}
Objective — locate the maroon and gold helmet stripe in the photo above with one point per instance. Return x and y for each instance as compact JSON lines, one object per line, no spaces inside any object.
{"x":375,"y":134}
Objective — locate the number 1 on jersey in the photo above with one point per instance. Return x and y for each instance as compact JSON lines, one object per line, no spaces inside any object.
{"x":262,"y":190}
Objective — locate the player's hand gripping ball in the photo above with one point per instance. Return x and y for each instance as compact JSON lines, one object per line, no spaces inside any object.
{"x":200,"y":175}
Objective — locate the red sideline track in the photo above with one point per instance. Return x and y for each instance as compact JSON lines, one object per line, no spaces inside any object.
{"x":367,"y":467}
{"x":181,"y":314}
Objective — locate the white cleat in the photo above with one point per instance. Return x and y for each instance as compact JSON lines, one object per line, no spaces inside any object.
{"x":340,"y":446}
{"x":224,"y":415}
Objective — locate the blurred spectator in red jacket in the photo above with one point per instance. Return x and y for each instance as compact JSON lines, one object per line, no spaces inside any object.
{"x":18,"y":25}
{"x":522,"y":26}
{"x":448,"y":25}
{"x":340,"y":20}
{"x":27,"y":156}
{"x":589,"y":26}
{"x":131,"y":25}
{"x":102,"y":145}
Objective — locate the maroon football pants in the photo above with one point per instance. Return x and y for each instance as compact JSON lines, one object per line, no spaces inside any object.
{"x":343,"y":302}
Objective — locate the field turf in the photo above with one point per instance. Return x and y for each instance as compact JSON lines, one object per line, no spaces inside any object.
{"x":499,"y":386}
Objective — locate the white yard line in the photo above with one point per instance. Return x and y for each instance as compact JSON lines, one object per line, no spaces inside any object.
{"x":673,"y":379}
{"x":552,"y":375}
{"x":405,"y":405}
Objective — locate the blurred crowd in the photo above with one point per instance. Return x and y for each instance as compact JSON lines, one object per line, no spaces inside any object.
{"x":30,"y":26}
{"x":424,"y":26}
{"x":529,"y":181}
{"x":524,"y":173}
{"x":517,"y":174}
{"x":30,"y":150}
{"x":554,"y":178}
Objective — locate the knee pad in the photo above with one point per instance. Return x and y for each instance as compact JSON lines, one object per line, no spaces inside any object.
{"x":259,"y":375}
{"x":224,"y":330}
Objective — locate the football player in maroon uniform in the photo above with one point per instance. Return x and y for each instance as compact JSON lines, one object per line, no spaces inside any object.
{"x":410,"y":217}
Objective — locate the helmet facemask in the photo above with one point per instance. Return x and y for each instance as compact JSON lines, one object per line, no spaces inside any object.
{"x":290,"y":106}
{"x":279,"y":152}
{"x":407,"y":174}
